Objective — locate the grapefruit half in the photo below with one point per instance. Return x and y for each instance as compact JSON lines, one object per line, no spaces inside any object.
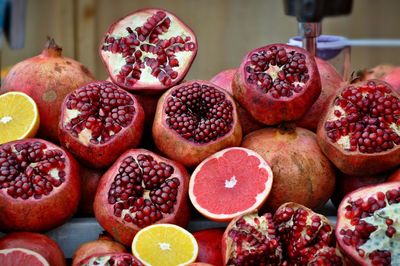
{"x":229,"y":183}
{"x":21,"y":256}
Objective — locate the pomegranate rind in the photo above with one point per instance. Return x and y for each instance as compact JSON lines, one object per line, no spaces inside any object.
{"x":40,"y":243}
{"x":122,"y":231}
{"x":103,"y":155}
{"x":187,"y":152}
{"x":141,"y":15}
{"x":60,"y":204}
{"x":269,"y":110}
{"x":344,"y":223}
{"x":387,"y":73}
{"x":104,"y":257}
{"x":27,"y":253}
{"x":395,"y":176}
{"x":355,"y":163}
{"x":226,"y":169}
{"x":209,"y":242}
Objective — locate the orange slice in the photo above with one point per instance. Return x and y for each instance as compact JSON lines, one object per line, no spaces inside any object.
{"x":164,"y":245}
{"x":19,"y":117}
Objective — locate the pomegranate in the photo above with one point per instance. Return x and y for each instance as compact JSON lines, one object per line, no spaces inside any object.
{"x":301,"y":171}
{"x":194,"y":120}
{"x":112,"y":259}
{"x":149,"y":50}
{"x":277,"y":83}
{"x":139,"y":189}
{"x":47,"y":78}
{"x":250,"y":239}
{"x":330,"y":83}
{"x":224,"y":80}
{"x":89,"y":180}
{"x":39,"y":185}
{"x":395,"y":176}
{"x":360,"y":129}
{"x":209,"y":242}
{"x":305,"y":236}
{"x":368,"y":225}
{"x":46,"y":247}
{"x":105,"y":244}
{"x":99,"y":122}
{"x":387,"y":73}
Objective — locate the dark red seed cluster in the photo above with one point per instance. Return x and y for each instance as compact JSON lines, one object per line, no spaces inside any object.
{"x":373,"y":206}
{"x":277,"y":71}
{"x":143,"y":190}
{"x":326,"y":256}
{"x":380,"y":258}
{"x":265,"y":248}
{"x":302,"y":234}
{"x":102,"y":108}
{"x":142,"y":47}
{"x":199,"y":113}
{"x":27,"y":169}
{"x":115,"y":260}
{"x":369,"y":115}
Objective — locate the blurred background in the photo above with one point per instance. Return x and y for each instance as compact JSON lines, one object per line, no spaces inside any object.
{"x":226,"y":29}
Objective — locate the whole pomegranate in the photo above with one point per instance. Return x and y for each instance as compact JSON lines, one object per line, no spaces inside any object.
{"x":277,"y":83}
{"x":330,"y":83}
{"x":224,"y":80}
{"x":209,"y":242}
{"x":360,"y":129}
{"x":99,"y":121}
{"x":301,"y":171}
{"x":141,"y":188}
{"x":387,"y":73}
{"x":47,"y":78}
{"x":194,"y":120}
{"x":367,"y":228}
{"x":39,"y":185}
{"x":114,"y":258}
{"x":148,"y":50}
{"x":39,"y":243}
{"x":105,"y":244}
{"x":89,"y":180}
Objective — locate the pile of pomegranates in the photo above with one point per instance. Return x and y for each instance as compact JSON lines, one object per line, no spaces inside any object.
{"x":122,"y":151}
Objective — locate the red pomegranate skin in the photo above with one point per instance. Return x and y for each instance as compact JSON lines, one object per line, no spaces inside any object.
{"x":330,"y":83}
{"x":395,"y":176}
{"x":302,"y":173}
{"x":123,"y":231}
{"x":387,"y":73}
{"x":39,"y":243}
{"x":51,"y":210}
{"x":224,"y":80}
{"x":209,"y":242}
{"x":89,"y":180}
{"x":47,"y":78}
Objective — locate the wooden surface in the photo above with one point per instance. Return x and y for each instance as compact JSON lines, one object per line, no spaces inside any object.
{"x":226,"y":29}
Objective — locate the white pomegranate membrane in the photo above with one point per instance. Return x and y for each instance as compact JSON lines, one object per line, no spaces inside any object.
{"x":371,"y":224}
{"x":143,"y":190}
{"x":198,"y":112}
{"x":31,"y":169}
{"x":365,"y":118}
{"x":276,"y":71}
{"x":96,"y":112}
{"x":148,"y":48}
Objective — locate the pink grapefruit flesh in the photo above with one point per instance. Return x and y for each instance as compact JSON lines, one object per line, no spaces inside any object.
{"x":21,"y":256}
{"x":229,"y":183}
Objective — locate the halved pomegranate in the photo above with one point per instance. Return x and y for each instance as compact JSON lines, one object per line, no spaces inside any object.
{"x":368,"y":226}
{"x":112,"y":259}
{"x":277,"y":83}
{"x":224,"y":80}
{"x":250,"y":239}
{"x":360,"y":129}
{"x":141,"y":188}
{"x":194,"y":120}
{"x":16,"y":248}
{"x":99,"y":122}
{"x":39,"y":185}
{"x":149,"y":50}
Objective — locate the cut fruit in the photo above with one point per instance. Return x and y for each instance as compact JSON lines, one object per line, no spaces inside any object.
{"x":164,"y":245}
{"x":21,"y":256}
{"x":240,"y":180}
{"x":19,"y":117}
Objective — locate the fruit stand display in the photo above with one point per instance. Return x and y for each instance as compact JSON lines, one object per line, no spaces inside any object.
{"x":264,"y":164}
